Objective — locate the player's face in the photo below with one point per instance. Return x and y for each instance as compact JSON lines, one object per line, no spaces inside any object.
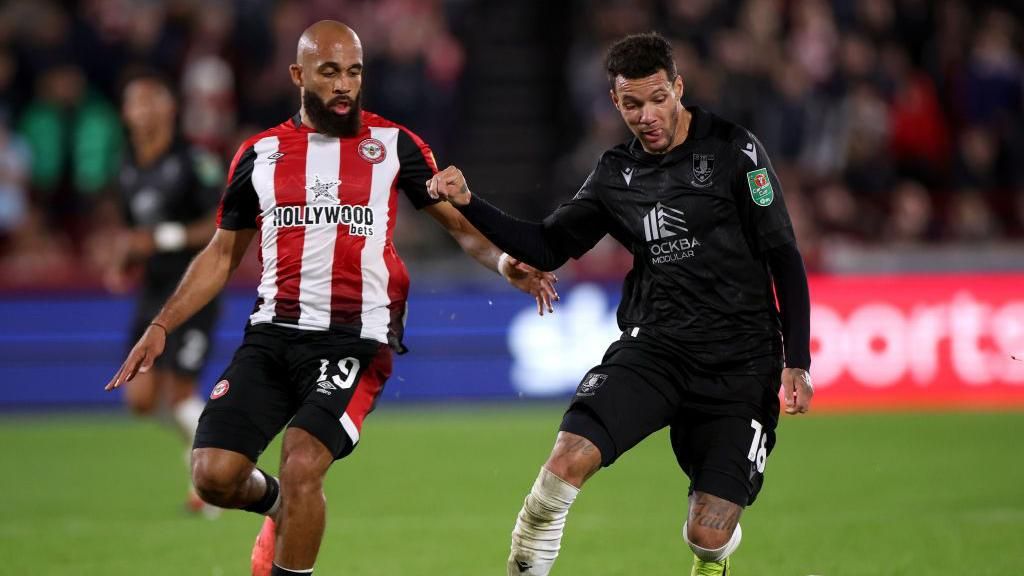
{"x":650,"y":107}
{"x":331,"y":79}
{"x":148,"y":107}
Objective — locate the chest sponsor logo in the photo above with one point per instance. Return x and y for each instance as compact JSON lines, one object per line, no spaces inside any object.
{"x":760,"y":187}
{"x":703,"y":167}
{"x":665,"y":231}
{"x":359,"y":219}
{"x":372,"y":150}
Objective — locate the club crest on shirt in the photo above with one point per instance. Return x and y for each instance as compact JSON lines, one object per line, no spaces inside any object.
{"x":703,"y":167}
{"x":372,"y":150}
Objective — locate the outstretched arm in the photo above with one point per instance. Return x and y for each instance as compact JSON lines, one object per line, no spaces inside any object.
{"x":521,"y":239}
{"x":790,"y":281}
{"x":528,"y":279}
{"x":204,"y":279}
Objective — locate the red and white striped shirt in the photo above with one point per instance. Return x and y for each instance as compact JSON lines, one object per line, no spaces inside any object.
{"x":325,"y":209}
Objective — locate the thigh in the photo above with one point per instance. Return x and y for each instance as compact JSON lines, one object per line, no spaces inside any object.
{"x":725,"y":454}
{"x":252,"y":401}
{"x":631,"y":394}
{"x":339,"y":379}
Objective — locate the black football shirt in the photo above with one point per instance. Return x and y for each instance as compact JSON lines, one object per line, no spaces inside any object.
{"x":181,"y":186}
{"x":698,"y":221}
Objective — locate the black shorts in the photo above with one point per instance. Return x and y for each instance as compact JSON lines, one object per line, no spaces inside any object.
{"x":187,"y":348}
{"x":322,"y":382}
{"x":722,"y":426}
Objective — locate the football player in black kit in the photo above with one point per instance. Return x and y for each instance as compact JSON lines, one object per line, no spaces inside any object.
{"x":169,"y":193}
{"x":704,"y":348}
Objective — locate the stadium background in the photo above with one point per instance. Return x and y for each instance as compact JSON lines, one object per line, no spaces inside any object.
{"x":897,"y":129}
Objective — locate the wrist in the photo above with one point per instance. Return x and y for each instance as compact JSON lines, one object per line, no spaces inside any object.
{"x":169,"y":236}
{"x":503,"y":264}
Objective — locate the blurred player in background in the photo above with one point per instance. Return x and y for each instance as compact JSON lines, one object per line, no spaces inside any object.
{"x":168,"y":196}
{"x":698,"y":203}
{"x":321,"y":192}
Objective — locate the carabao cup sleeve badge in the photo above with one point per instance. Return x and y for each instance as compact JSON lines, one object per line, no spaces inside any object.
{"x":760,"y":187}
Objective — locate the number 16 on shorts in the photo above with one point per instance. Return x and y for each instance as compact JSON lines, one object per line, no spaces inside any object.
{"x":758,"y":453}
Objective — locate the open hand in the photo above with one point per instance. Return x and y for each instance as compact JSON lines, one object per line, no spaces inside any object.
{"x":540,"y":285}
{"x":142,"y":356}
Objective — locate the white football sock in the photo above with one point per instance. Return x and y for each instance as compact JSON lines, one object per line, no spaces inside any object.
{"x":537,"y":536}
{"x":718,"y":554}
{"x":186,"y":415}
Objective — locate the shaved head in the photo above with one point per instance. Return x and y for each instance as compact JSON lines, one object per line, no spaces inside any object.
{"x":325,"y":33}
{"x":328,"y":71}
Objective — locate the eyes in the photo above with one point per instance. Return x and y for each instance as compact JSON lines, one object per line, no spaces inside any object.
{"x":630,"y":104}
{"x":333,"y":72}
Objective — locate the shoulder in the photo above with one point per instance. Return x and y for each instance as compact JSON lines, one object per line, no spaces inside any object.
{"x":371,"y":120}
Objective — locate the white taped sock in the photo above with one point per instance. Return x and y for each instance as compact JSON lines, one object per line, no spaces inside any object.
{"x":186,"y":415}
{"x":718,"y":554}
{"x":537,"y":536}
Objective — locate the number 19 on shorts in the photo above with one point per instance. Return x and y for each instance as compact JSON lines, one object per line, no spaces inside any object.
{"x":758,"y":454}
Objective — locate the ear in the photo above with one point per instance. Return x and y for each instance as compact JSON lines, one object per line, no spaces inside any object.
{"x":296,"y":73}
{"x":615,"y":98}
{"x":677,"y":86}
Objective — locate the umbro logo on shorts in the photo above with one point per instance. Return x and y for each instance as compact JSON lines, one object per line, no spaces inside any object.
{"x":325,"y":387}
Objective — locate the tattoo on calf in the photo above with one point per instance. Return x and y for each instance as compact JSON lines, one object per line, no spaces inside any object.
{"x":716,"y":515}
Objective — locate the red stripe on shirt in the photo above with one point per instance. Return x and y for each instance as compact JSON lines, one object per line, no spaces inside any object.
{"x":290,"y":190}
{"x":347,"y":273}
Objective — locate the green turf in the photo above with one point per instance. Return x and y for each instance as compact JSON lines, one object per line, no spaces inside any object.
{"x":436,"y":492}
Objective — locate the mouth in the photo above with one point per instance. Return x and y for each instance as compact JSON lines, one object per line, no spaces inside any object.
{"x":340,"y":106}
{"x":651,"y":136}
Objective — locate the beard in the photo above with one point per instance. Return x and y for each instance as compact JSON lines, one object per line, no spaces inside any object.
{"x":329,"y":123}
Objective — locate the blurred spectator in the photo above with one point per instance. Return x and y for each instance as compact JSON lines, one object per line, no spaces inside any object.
{"x":911,"y":217}
{"x":75,"y":138}
{"x":14,"y":168}
{"x":971,"y":219}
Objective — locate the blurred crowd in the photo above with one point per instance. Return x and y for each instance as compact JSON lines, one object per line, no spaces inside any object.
{"x":61,"y":69}
{"x":890,"y":122}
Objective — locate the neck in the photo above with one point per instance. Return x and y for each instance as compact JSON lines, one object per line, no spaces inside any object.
{"x":306,"y":120}
{"x":151,"y":146}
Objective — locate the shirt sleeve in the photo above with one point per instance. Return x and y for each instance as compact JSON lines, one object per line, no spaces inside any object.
{"x":416,"y":166}
{"x":207,"y":178}
{"x":579,"y":224}
{"x":758,"y":195}
{"x":239,"y":206}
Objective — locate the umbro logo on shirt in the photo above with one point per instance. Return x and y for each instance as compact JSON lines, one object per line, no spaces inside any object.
{"x":275,"y":157}
{"x":663,"y":222}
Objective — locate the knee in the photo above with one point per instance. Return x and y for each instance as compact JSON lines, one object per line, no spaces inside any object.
{"x":142,"y":406}
{"x":574,"y":459}
{"x":216,"y":480}
{"x":303,"y":470}
{"x":707,"y":538}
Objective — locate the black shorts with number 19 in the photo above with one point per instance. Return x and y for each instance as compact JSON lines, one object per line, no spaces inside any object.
{"x":322,"y":382}
{"x":722,"y":426}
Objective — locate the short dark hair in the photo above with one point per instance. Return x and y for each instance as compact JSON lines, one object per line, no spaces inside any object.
{"x":639,"y":56}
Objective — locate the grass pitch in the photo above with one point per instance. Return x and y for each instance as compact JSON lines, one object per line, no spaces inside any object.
{"x":435,"y":491}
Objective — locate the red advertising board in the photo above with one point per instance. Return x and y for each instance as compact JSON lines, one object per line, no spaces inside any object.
{"x":918,"y":341}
